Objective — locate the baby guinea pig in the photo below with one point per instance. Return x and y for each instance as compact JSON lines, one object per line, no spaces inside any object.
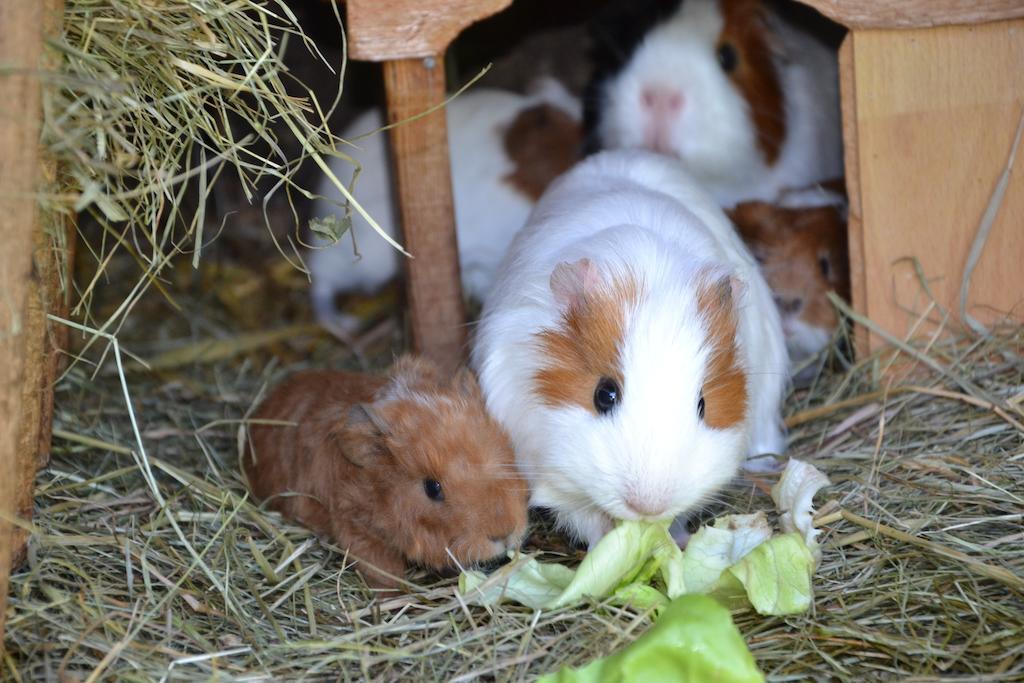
{"x":746,"y":99}
{"x":407,"y":468}
{"x":505,"y":149}
{"x":803,"y":256}
{"x":630,"y":346}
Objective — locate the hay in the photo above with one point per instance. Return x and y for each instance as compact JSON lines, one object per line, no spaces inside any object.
{"x":922,"y":575}
{"x":153,"y":104}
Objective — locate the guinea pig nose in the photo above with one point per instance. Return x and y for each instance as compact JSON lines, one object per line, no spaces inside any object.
{"x":661,"y":100}
{"x":788,"y":304}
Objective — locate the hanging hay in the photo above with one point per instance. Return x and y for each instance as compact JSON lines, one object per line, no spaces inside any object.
{"x":149,"y":562}
{"x":152,"y":104}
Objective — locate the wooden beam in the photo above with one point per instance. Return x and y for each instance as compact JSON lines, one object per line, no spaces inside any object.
{"x":380,"y":30}
{"x":422,"y":171}
{"x":855,"y":231}
{"x":49,"y":292}
{"x":935,"y":113}
{"x":410,"y":37}
{"x":21,"y":44}
{"x":859,"y":14}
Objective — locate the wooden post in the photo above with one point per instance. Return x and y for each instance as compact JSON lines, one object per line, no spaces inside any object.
{"x":49,"y":292}
{"x":21,"y":44}
{"x":419,"y":152}
{"x":411,"y":37}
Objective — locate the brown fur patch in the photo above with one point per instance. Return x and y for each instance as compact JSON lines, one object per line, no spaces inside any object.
{"x":585,"y":347}
{"x":725,"y":385}
{"x":790,"y":244}
{"x":543,"y":142}
{"x":746,"y":30}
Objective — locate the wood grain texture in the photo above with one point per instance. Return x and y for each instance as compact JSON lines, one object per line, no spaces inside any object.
{"x":20,"y":51}
{"x":54,"y":237}
{"x":423,"y":178}
{"x":858,"y":14}
{"x":855,"y":232}
{"x":936,"y":111}
{"x":380,"y":30}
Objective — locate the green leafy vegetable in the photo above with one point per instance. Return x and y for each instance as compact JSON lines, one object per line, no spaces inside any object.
{"x":736,"y":559}
{"x":694,"y":640}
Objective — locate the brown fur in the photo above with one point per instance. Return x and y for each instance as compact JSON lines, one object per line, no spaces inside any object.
{"x":337,"y":473}
{"x":755,"y":76}
{"x":585,"y":347}
{"x":725,"y":386}
{"x":543,"y":142}
{"x":789,"y":244}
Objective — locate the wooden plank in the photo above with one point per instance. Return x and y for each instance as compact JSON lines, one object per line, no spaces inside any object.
{"x":54,"y":239}
{"x":380,"y":30}
{"x":936,"y":113}
{"x":855,"y":233}
{"x":420,"y":157}
{"x":20,"y":49}
{"x":860,"y":14}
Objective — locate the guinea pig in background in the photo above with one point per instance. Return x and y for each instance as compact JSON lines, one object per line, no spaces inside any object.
{"x":748,"y":101}
{"x":505,"y":148}
{"x":407,"y":468}
{"x":803,"y":255}
{"x":630,"y":346}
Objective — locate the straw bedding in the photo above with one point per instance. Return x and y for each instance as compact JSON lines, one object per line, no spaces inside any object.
{"x":149,"y":562}
{"x":922,"y":576}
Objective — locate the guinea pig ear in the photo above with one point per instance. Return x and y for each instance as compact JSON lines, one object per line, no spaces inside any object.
{"x":409,"y":374}
{"x":572,"y":283}
{"x":360,"y":438}
{"x":757,"y":222}
{"x":720,"y":294}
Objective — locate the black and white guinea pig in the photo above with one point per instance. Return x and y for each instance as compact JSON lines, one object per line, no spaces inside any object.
{"x":630,"y":346}
{"x":505,"y":148}
{"x":747,"y":100}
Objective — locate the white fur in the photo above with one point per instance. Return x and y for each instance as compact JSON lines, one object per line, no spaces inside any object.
{"x":488,"y":211}
{"x":630,"y":211}
{"x":714,"y":135}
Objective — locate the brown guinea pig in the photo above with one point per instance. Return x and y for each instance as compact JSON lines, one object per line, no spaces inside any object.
{"x":803,"y":255}
{"x":407,"y":468}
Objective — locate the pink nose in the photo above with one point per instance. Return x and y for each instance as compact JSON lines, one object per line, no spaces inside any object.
{"x":662,"y":102}
{"x":645,"y":507}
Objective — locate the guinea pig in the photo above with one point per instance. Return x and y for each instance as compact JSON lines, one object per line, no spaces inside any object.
{"x":747,"y":100}
{"x":630,"y":346}
{"x":407,"y":468}
{"x":803,"y":256}
{"x":505,"y":148}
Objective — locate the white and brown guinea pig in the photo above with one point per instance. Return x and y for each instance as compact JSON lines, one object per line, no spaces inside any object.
{"x":803,"y":255}
{"x":747,"y":100}
{"x":505,"y":148}
{"x":630,"y":346}
{"x":407,"y":468}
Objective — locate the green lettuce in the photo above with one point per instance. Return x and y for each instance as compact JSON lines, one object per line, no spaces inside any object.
{"x":638,"y":563}
{"x":694,"y":640}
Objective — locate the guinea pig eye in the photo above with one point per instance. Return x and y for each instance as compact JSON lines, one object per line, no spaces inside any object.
{"x":432,"y":487}
{"x":825,"y":266}
{"x":606,"y":395}
{"x":700,"y":406}
{"x":728,"y":59}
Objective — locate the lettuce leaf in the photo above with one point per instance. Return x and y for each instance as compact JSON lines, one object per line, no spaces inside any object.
{"x":736,"y":559}
{"x":694,"y":640}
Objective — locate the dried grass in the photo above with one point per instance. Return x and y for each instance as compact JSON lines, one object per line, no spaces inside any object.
{"x":922,"y":577}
